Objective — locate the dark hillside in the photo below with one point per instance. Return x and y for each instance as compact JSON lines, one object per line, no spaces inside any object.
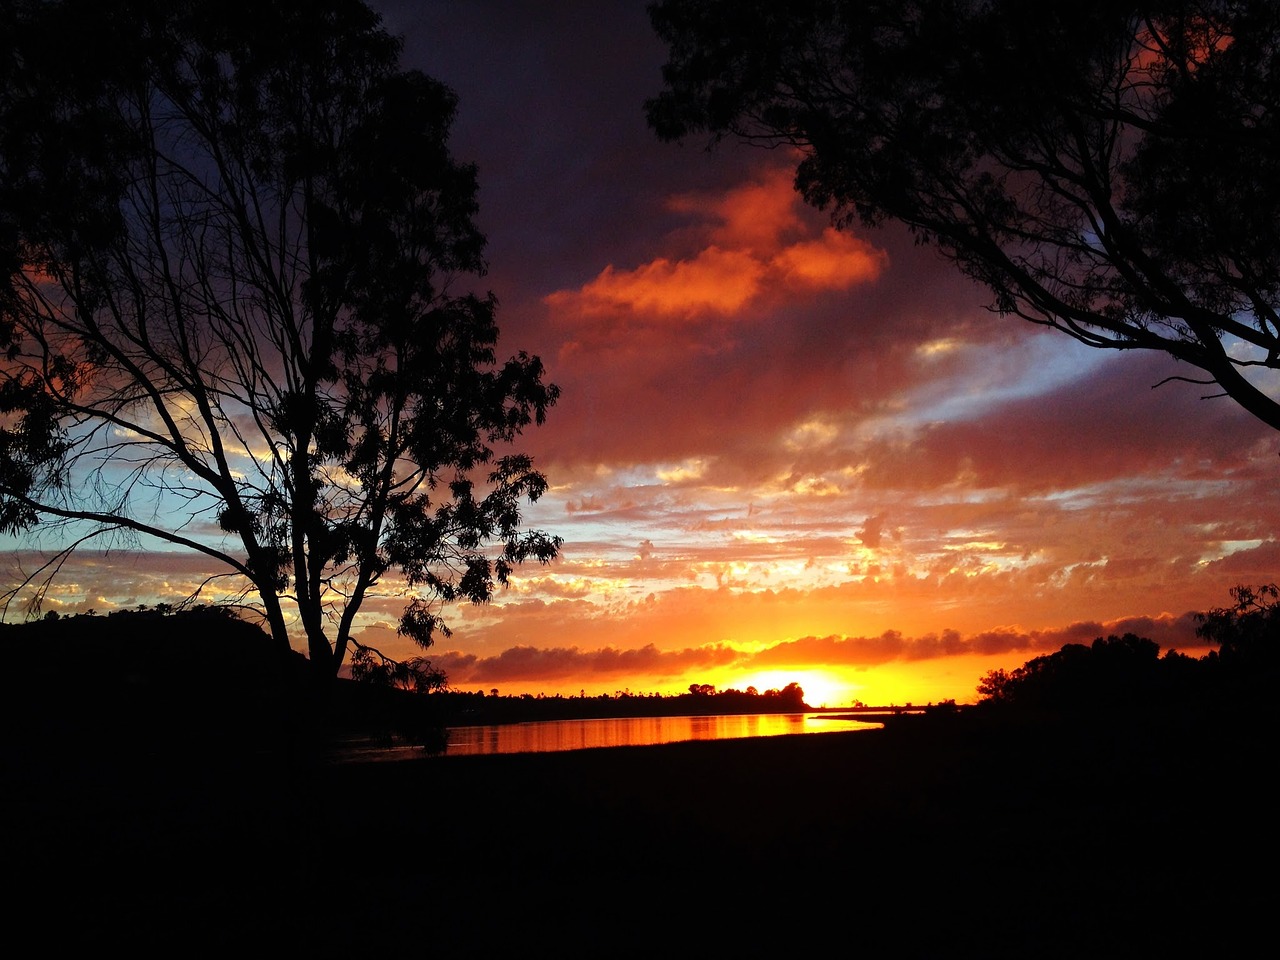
{"x":142,"y":683}
{"x":1000,"y":831}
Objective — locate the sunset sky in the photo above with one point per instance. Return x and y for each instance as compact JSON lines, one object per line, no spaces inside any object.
{"x":783,"y":452}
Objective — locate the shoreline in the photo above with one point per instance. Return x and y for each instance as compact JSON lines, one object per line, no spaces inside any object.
{"x":502,"y":738}
{"x":929,"y":839}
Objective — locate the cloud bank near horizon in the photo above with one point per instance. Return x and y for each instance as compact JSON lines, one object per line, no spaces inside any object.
{"x":531,"y":665}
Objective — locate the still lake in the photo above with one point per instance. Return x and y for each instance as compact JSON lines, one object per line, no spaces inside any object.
{"x":555,"y":735}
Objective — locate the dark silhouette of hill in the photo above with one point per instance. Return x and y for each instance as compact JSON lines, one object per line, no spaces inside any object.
{"x":139,"y":684}
{"x":147,"y":682}
{"x":153,"y":682}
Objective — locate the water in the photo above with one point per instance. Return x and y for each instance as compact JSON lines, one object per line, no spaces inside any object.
{"x":557,"y":735}
{"x":635,"y":731}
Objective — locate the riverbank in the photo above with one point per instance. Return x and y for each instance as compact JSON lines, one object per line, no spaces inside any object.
{"x":927,"y":840}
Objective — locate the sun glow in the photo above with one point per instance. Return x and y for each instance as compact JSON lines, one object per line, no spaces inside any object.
{"x":821,"y":689}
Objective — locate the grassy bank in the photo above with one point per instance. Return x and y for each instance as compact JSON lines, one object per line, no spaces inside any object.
{"x":949,"y":838}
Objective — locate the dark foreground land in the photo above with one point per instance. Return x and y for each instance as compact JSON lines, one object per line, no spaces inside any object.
{"x":936,"y":837}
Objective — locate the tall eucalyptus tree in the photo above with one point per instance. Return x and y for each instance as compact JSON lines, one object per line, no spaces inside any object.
{"x":234,"y":243}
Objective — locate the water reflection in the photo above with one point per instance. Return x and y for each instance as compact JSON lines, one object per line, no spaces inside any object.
{"x":635,"y":731}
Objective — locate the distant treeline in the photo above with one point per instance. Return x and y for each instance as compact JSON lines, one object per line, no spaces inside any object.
{"x":203,"y":675}
{"x":463,"y":708}
{"x":203,"y":678}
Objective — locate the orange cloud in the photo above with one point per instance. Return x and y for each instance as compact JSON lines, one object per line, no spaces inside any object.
{"x":753,"y":216}
{"x":716,"y":281}
{"x":525,"y":663}
{"x":753,"y":241}
{"x":952,"y":660}
{"x":835,"y":261}
{"x":1168,"y":631}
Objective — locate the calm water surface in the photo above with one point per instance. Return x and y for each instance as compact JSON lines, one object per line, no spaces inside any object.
{"x":622,"y":732}
{"x":635,"y":731}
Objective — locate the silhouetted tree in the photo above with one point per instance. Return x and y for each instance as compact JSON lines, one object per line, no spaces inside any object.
{"x":793,"y":695}
{"x":994,"y":685}
{"x":1247,"y":633}
{"x":1109,"y":673}
{"x":232,"y":238}
{"x":1108,"y":170}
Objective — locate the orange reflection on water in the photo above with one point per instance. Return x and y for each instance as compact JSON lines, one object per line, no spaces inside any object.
{"x":557,"y":735}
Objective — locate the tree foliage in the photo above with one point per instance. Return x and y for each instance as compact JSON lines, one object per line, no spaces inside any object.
{"x":1108,"y":673}
{"x":1129,"y":672}
{"x":1247,"y":633}
{"x":233,"y":242}
{"x":1111,"y":170}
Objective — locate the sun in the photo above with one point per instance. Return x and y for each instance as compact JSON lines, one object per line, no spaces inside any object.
{"x":821,"y":688}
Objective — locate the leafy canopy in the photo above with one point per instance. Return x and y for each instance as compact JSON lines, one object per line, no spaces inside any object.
{"x":1111,"y":170}
{"x":233,"y":240}
{"x":1247,"y":633}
